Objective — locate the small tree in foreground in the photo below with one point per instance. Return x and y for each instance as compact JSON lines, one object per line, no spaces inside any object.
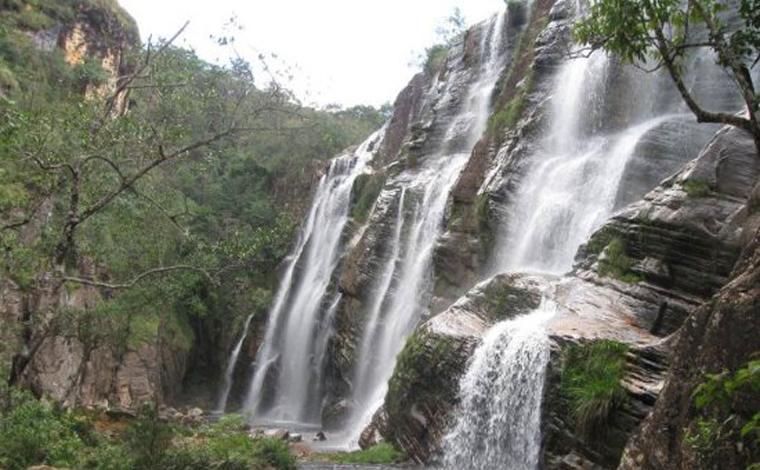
{"x":665,"y":30}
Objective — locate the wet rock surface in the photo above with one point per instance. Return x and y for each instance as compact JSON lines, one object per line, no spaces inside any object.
{"x":680,"y":245}
{"x":683,"y":238}
{"x":721,"y":335}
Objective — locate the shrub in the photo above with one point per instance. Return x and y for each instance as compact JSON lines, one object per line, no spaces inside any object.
{"x":591,"y":378}
{"x":148,"y":439}
{"x":33,"y":432}
{"x":228,"y":441}
{"x":435,"y":56}
{"x":368,"y":188}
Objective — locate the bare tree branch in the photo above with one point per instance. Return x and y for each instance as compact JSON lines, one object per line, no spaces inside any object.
{"x":139,"y":277}
{"x":127,"y":81}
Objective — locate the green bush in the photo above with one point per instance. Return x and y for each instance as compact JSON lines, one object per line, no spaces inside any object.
{"x":229,"y":441}
{"x":435,"y":56}
{"x":368,"y":188}
{"x":33,"y":432}
{"x":591,"y":378}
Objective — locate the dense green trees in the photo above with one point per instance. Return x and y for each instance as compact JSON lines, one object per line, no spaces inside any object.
{"x":197,"y":188}
{"x":664,"y":31}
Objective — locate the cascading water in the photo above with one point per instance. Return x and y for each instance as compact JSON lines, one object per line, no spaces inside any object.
{"x":568,"y":191}
{"x":221,"y":404}
{"x":289,"y":361}
{"x":501,"y":394}
{"x":401,"y":295}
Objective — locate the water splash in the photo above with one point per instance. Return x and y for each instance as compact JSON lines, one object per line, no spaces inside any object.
{"x":499,"y":415}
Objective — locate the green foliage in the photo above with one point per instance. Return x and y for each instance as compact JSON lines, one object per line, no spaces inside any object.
{"x":449,"y":32}
{"x":722,"y":422}
{"x":379,"y":454}
{"x":506,"y":117}
{"x":435,"y":56}
{"x":419,"y":369}
{"x":148,"y":443}
{"x":229,"y":441}
{"x":34,"y":432}
{"x":148,"y":439}
{"x":696,"y":188}
{"x":367,"y":188}
{"x":591,"y":376}
{"x":615,"y":262}
{"x":663,"y":31}
{"x":226,"y":207}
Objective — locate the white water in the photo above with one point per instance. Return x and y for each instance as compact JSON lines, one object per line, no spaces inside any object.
{"x":402,"y":291}
{"x":501,"y":398}
{"x":221,"y":404}
{"x":287,"y":379}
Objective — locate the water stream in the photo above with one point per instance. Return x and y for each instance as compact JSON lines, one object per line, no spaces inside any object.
{"x":501,"y":398}
{"x":288,"y":369}
{"x":401,"y":295}
{"x":221,"y":404}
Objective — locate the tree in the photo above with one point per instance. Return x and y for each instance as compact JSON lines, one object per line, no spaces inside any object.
{"x":664,"y":31}
{"x":87,"y":156}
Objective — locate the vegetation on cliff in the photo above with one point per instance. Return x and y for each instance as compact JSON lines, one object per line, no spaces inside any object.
{"x":591,"y":378}
{"x":172,"y":196}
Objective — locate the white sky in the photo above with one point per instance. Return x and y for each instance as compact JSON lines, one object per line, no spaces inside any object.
{"x":340,"y":51}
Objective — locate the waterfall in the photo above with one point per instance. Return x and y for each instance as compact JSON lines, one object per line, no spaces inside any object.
{"x":401,"y":293}
{"x":221,"y":404}
{"x":570,"y":188}
{"x":499,"y":425}
{"x":287,"y":377}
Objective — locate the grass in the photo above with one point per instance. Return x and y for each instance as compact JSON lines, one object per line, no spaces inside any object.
{"x":591,"y":378}
{"x":616,"y":262}
{"x":507,"y":116}
{"x":696,"y":188}
{"x":379,"y":454}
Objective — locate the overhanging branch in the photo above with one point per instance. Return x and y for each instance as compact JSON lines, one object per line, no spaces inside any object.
{"x":139,"y":277}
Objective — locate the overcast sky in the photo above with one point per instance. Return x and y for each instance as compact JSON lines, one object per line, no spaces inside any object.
{"x":340,"y":51}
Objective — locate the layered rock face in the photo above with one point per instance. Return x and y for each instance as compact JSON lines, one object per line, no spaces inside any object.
{"x":720,"y":337}
{"x":635,"y":280}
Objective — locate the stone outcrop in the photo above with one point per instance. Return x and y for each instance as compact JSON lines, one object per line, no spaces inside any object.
{"x":684,"y":237}
{"x":425,"y":111}
{"x":461,"y":257}
{"x":721,"y":335}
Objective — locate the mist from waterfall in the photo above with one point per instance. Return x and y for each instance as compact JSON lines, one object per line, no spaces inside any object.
{"x":286,"y":383}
